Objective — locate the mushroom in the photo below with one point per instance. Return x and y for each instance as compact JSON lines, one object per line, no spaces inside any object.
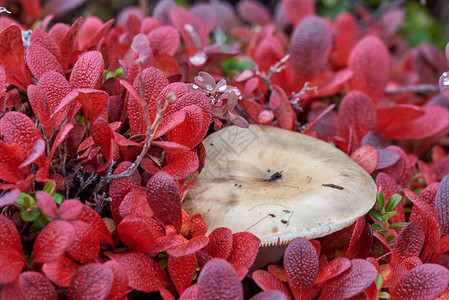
{"x":278,"y":185}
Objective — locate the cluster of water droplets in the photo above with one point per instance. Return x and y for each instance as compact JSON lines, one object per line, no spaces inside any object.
{"x":444,"y":80}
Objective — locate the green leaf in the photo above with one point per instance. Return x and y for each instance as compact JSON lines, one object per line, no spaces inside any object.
{"x":390,"y":239}
{"x":390,"y":215}
{"x":380,"y":200}
{"x":377,"y":227}
{"x":57,"y":198}
{"x":397,"y":225}
{"x":50,"y":187}
{"x":30,"y":216}
{"x":376,"y":215}
{"x":25,"y":200}
{"x":384,"y":295}
{"x":379,"y":281}
{"x":393,"y":202}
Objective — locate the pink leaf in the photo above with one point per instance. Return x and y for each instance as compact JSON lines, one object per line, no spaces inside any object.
{"x":60,"y":271}
{"x":297,"y":10}
{"x":9,"y":198}
{"x":70,"y":209}
{"x":253,"y":12}
{"x":442,"y":205}
{"x":164,"y":40}
{"x":120,"y":284}
{"x":29,"y":285}
{"x":46,"y":203}
{"x":367,"y":157}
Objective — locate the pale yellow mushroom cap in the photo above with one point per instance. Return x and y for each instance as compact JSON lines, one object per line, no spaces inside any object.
{"x":278,"y":185}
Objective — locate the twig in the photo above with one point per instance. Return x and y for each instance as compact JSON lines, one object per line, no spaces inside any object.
{"x":276,"y":68}
{"x":3,"y":9}
{"x":419,"y":89}
{"x":86,"y":183}
{"x":304,"y":89}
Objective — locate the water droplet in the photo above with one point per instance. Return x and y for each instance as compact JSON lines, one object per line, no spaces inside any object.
{"x":200,"y":78}
{"x":223,"y":88}
{"x":195,"y":87}
{"x":444,"y":81}
{"x":198,"y":59}
{"x":188,"y":27}
{"x":209,"y":87}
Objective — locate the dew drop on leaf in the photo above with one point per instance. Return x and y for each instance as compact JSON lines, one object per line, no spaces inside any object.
{"x":444,"y":80}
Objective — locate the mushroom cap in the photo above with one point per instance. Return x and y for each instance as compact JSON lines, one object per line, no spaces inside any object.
{"x":278,"y":185}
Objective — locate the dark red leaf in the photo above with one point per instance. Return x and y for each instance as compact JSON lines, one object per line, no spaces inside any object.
{"x":12,"y":57}
{"x":427,"y":281}
{"x":370,"y":62}
{"x":442,"y":205}
{"x":409,"y":242}
{"x":219,"y":280}
{"x":41,"y":61}
{"x":53,"y":241}
{"x":357,"y":111}
{"x":266,"y":281}
{"x":2,"y":89}
{"x":352,"y":282}
{"x":60,"y":271}
{"x":91,"y":281}
{"x":118,"y":188}
{"x":29,"y":285}
{"x":245,"y":246}
{"x":136,"y":234}
{"x":300,"y":266}
{"x":86,"y":246}
{"x":164,"y":199}
{"x":269,"y":295}
{"x":182,"y":270}
{"x":310,"y":47}
{"x":103,"y":136}
{"x":335,"y":267}
{"x":220,"y":243}
{"x":144,"y":273}
{"x":412,"y":262}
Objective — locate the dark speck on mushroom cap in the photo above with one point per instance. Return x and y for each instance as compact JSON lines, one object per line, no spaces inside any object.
{"x":317,"y":190}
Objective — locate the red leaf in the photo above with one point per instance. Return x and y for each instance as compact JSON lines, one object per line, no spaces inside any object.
{"x":188,"y":247}
{"x":94,"y":220}
{"x":164,"y":40}
{"x":118,"y":188}
{"x":183,"y":165}
{"x":357,"y":111}
{"x":40,"y":37}
{"x":60,"y":271}
{"x":91,"y":281}
{"x":285,"y":114}
{"x":2,"y":89}
{"x":245,"y":246}
{"x":409,"y":242}
{"x":411,"y":262}
{"x":297,"y":10}
{"x":9,"y":237}
{"x":136,"y":234}
{"x":310,"y":47}
{"x":29,"y":285}
{"x":46,"y":203}
{"x":144,"y":273}
{"x":12,"y":57}
{"x":87,"y":71}
{"x":135,"y":203}
{"x":397,"y":114}
{"x":120,"y":284}
{"x":18,"y":128}
{"x":442,"y":205}
{"x":103,"y":135}
{"x":352,"y":282}
{"x":11,"y":157}
{"x":367,"y":157}
{"x":335,"y":267}
{"x":370,"y":62}
{"x":190,"y":132}
{"x":11,"y":264}
{"x":356,"y":234}
{"x":67,"y":41}
{"x":346,"y":37}
{"x":434,"y":120}
{"x":36,"y":152}
{"x":41,"y":61}
{"x":266,"y":281}
{"x":198,"y":226}
{"x":164,"y":199}
{"x":171,"y":147}
{"x":253,"y":12}
{"x":219,"y":280}
{"x":182,"y":270}
{"x":53,"y":241}
{"x":9,"y":198}
{"x":220,"y":243}
{"x":300,"y":266}
{"x":427,"y":281}
{"x":85,"y":247}
{"x":392,"y":274}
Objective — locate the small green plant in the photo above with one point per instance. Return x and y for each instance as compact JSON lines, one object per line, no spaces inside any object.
{"x":383,"y":213}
